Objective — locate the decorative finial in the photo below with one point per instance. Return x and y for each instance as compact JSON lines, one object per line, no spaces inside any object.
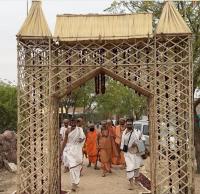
{"x":27,"y":7}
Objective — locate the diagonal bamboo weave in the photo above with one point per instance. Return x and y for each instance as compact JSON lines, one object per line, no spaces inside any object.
{"x":159,"y":68}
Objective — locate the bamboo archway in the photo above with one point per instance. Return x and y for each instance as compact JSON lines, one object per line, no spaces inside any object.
{"x":157,"y":65}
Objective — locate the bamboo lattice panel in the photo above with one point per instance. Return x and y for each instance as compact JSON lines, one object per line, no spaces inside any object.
{"x":173,"y":89}
{"x":159,"y":68}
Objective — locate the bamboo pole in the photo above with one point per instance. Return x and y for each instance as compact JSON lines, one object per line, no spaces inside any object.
{"x":191,"y":120}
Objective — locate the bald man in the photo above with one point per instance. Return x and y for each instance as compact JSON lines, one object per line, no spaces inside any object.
{"x":73,"y":141}
{"x":105,"y":149}
{"x":111,"y":130}
{"x":91,"y":145}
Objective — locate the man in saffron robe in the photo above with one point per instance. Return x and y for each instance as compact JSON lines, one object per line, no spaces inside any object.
{"x":115,"y":150}
{"x":91,"y":145}
{"x":105,"y":150}
{"x":118,"y":135}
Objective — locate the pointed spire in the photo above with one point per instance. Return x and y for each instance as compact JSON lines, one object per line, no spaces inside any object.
{"x":35,"y":24}
{"x":171,"y":21}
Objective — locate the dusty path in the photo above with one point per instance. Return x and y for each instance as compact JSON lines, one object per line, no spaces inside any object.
{"x":93,"y":183}
{"x":8,"y":182}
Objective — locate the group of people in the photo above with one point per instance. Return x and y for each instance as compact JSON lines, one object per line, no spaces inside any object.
{"x":110,"y":145}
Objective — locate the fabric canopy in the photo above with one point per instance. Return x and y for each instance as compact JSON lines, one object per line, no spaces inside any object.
{"x":35,"y":24}
{"x":104,"y":27}
{"x":171,"y":22}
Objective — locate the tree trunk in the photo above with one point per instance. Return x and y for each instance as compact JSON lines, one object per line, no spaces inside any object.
{"x":74,"y":108}
{"x":84,"y":110}
{"x":137,"y":116}
{"x":66,"y":110}
{"x":197,"y":136}
{"x":197,"y":146}
{"x":61,"y":116}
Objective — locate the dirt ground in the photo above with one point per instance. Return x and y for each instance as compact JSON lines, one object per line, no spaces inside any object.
{"x":8,"y":182}
{"x":91,"y":182}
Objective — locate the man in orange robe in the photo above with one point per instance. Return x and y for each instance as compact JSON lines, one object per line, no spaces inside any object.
{"x":91,"y":145}
{"x":118,"y":135}
{"x":115,"y":150}
{"x":105,"y":149}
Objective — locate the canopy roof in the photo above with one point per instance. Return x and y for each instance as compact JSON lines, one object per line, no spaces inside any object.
{"x":171,"y":21}
{"x":92,"y":27}
{"x":35,"y":24}
{"x":104,"y":27}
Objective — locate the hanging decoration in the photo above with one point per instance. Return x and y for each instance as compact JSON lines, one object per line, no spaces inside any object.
{"x":97,"y":85}
{"x":100,"y":84}
{"x":103,"y":83}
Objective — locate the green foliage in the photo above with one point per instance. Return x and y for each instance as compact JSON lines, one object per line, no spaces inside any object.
{"x":118,"y":100}
{"x":81,"y":97}
{"x":121,"y":101}
{"x":124,"y":6}
{"x":86,"y":96}
{"x":8,"y":107}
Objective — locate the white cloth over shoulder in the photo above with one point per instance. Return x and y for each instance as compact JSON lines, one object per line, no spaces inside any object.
{"x":133,"y":160}
{"x":73,"y":153}
{"x":73,"y":149}
{"x":133,"y":139}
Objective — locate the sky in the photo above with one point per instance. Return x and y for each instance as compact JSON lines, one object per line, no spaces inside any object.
{"x":13,"y":14}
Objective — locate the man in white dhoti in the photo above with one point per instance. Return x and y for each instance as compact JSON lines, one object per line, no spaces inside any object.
{"x":63,"y":129}
{"x":129,"y":145}
{"x":74,"y":141}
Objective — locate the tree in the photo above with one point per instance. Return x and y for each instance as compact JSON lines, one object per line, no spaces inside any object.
{"x":87,"y":97}
{"x":118,"y":100}
{"x":121,"y":101}
{"x":8,"y":107}
{"x":190,"y":11}
{"x":81,"y":97}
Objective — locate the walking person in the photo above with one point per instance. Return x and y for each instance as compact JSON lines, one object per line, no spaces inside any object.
{"x":105,"y":150}
{"x":119,"y":129}
{"x":133,"y":159}
{"x":74,"y":140}
{"x":80,"y":124}
{"x":63,"y":129}
{"x":91,"y":145}
{"x":115,"y":151}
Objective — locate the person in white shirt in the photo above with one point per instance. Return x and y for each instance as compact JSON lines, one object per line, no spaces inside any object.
{"x":131,"y":147}
{"x":64,"y":128}
{"x":74,"y":140}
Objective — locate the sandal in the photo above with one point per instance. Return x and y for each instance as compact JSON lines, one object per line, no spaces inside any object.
{"x":96,"y":168}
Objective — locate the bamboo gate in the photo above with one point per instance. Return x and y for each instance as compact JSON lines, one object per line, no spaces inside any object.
{"x":157,"y":65}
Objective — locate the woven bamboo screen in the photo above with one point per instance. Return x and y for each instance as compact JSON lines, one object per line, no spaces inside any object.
{"x":159,"y":67}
